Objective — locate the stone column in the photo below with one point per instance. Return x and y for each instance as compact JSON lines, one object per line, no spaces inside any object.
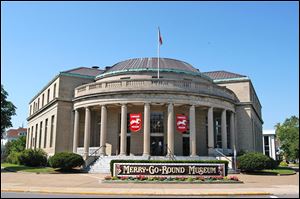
{"x":123,"y":138}
{"x":103,"y":130}
{"x":87,"y":132}
{"x":170,"y":145}
{"x":192,"y":131}
{"x":224,"y":130}
{"x":76,"y":131}
{"x":210,"y":129}
{"x":146,"y":129}
{"x":232,"y":133}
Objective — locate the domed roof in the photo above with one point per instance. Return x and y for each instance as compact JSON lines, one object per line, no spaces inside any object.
{"x":151,"y":63}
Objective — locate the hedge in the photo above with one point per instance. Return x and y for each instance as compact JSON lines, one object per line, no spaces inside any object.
{"x":66,"y":160}
{"x":33,"y":157}
{"x":255,"y":161}
{"x":169,"y":161}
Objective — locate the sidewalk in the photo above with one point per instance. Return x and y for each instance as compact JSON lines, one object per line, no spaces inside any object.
{"x":92,"y":184}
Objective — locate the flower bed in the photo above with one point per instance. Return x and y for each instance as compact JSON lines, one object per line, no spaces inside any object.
{"x":161,"y":179}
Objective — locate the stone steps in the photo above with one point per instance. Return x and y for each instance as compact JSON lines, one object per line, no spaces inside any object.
{"x":102,"y":164}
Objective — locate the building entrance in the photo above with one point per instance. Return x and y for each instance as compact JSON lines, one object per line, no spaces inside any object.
{"x":157,"y":145}
{"x":157,"y":134}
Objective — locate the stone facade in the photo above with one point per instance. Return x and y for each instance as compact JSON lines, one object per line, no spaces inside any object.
{"x":91,"y":113}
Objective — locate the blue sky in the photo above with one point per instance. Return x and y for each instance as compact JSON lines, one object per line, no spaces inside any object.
{"x":257,"y":39}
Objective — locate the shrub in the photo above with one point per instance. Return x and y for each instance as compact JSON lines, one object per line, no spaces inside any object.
{"x":17,"y":145}
{"x":13,"y":157}
{"x":33,"y":157}
{"x":283,"y":164}
{"x":255,"y":161}
{"x":66,"y":160}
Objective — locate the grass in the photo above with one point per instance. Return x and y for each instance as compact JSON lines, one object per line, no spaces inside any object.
{"x":277,"y":171}
{"x":16,"y":167}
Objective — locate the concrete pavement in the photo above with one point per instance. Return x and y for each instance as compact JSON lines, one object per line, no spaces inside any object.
{"x":92,"y":184}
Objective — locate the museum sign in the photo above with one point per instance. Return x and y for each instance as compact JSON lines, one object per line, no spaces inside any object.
{"x":168,"y":169}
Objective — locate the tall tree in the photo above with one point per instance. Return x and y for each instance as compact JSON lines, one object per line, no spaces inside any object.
{"x":288,"y":135}
{"x":7,"y":110}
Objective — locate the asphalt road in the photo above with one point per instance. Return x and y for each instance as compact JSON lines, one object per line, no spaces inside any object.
{"x":44,"y":195}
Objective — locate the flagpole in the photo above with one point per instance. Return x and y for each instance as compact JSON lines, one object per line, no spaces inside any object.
{"x":158,"y":53}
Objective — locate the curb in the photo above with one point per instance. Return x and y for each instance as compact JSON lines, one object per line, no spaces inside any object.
{"x":137,"y":193}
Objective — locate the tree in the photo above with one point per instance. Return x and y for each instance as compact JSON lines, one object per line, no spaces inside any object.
{"x":15,"y":146}
{"x":288,"y":135}
{"x":7,"y":110}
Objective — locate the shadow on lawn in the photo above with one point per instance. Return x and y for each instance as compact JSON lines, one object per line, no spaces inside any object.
{"x":55,"y":171}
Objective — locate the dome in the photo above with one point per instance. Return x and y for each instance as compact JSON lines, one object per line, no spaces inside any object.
{"x":139,"y":64}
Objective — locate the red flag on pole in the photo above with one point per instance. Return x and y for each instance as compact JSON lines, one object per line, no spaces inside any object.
{"x":160,"y":38}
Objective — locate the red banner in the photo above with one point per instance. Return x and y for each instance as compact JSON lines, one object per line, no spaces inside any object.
{"x":181,"y":123}
{"x":135,"y":122}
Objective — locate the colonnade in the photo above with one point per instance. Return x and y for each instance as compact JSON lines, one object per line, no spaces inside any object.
{"x":146,"y":142}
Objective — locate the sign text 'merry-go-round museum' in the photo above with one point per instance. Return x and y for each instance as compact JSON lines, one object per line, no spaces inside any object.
{"x":168,"y":169}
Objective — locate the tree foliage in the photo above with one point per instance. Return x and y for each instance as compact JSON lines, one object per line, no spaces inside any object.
{"x":15,"y":146}
{"x":288,"y":135}
{"x":7,"y":110}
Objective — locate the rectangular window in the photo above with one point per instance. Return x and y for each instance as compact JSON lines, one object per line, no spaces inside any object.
{"x":218,"y":132}
{"x":27,"y":138}
{"x":40,"y":136}
{"x":54,"y":91}
{"x":51,"y":131}
{"x":228,"y":130}
{"x":45,"y":133}
{"x":31,"y":137}
{"x":43,"y":100}
{"x":38,"y":106}
{"x":206,"y":131}
{"x":125,"y":78}
{"x":267,"y":147}
{"x":48,"y":95}
{"x":156,"y":122}
{"x":30,"y":109}
{"x":35,"y":136}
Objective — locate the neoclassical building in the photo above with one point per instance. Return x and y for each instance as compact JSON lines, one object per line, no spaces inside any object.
{"x":127,"y":110}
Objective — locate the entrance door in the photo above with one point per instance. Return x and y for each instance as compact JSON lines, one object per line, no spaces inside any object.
{"x":157,"y":146}
{"x":186,"y":146}
{"x":157,"y":134}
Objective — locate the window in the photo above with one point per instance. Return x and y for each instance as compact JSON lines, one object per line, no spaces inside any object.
{"x":155,"y":77}
{"x":125,"y":78}
{"x":43,"y":100}
{"x":48,"y":95}
{"x":35,"y":136}
{"x":40,"y":136}
{"x":51,"y":130}
{"x":218,"y":132}
{"x":228,"y":130}
{"x":267,"y":147}
{"x":156,"y":122}
{"x":38,"y":106}
{"x":27,"y":139}
{"x":30,"y":109}
{"x":31,"y":137}
{"x":45,"y":133}
{"x":206,"y":131}
{"x":54,"y":91}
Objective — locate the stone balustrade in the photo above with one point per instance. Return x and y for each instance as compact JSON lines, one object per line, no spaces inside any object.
{"x":154,"y":84}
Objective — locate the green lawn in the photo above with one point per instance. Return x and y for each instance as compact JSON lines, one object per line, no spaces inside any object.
{"x":16,"y":167}
{"x":277,"y":171}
